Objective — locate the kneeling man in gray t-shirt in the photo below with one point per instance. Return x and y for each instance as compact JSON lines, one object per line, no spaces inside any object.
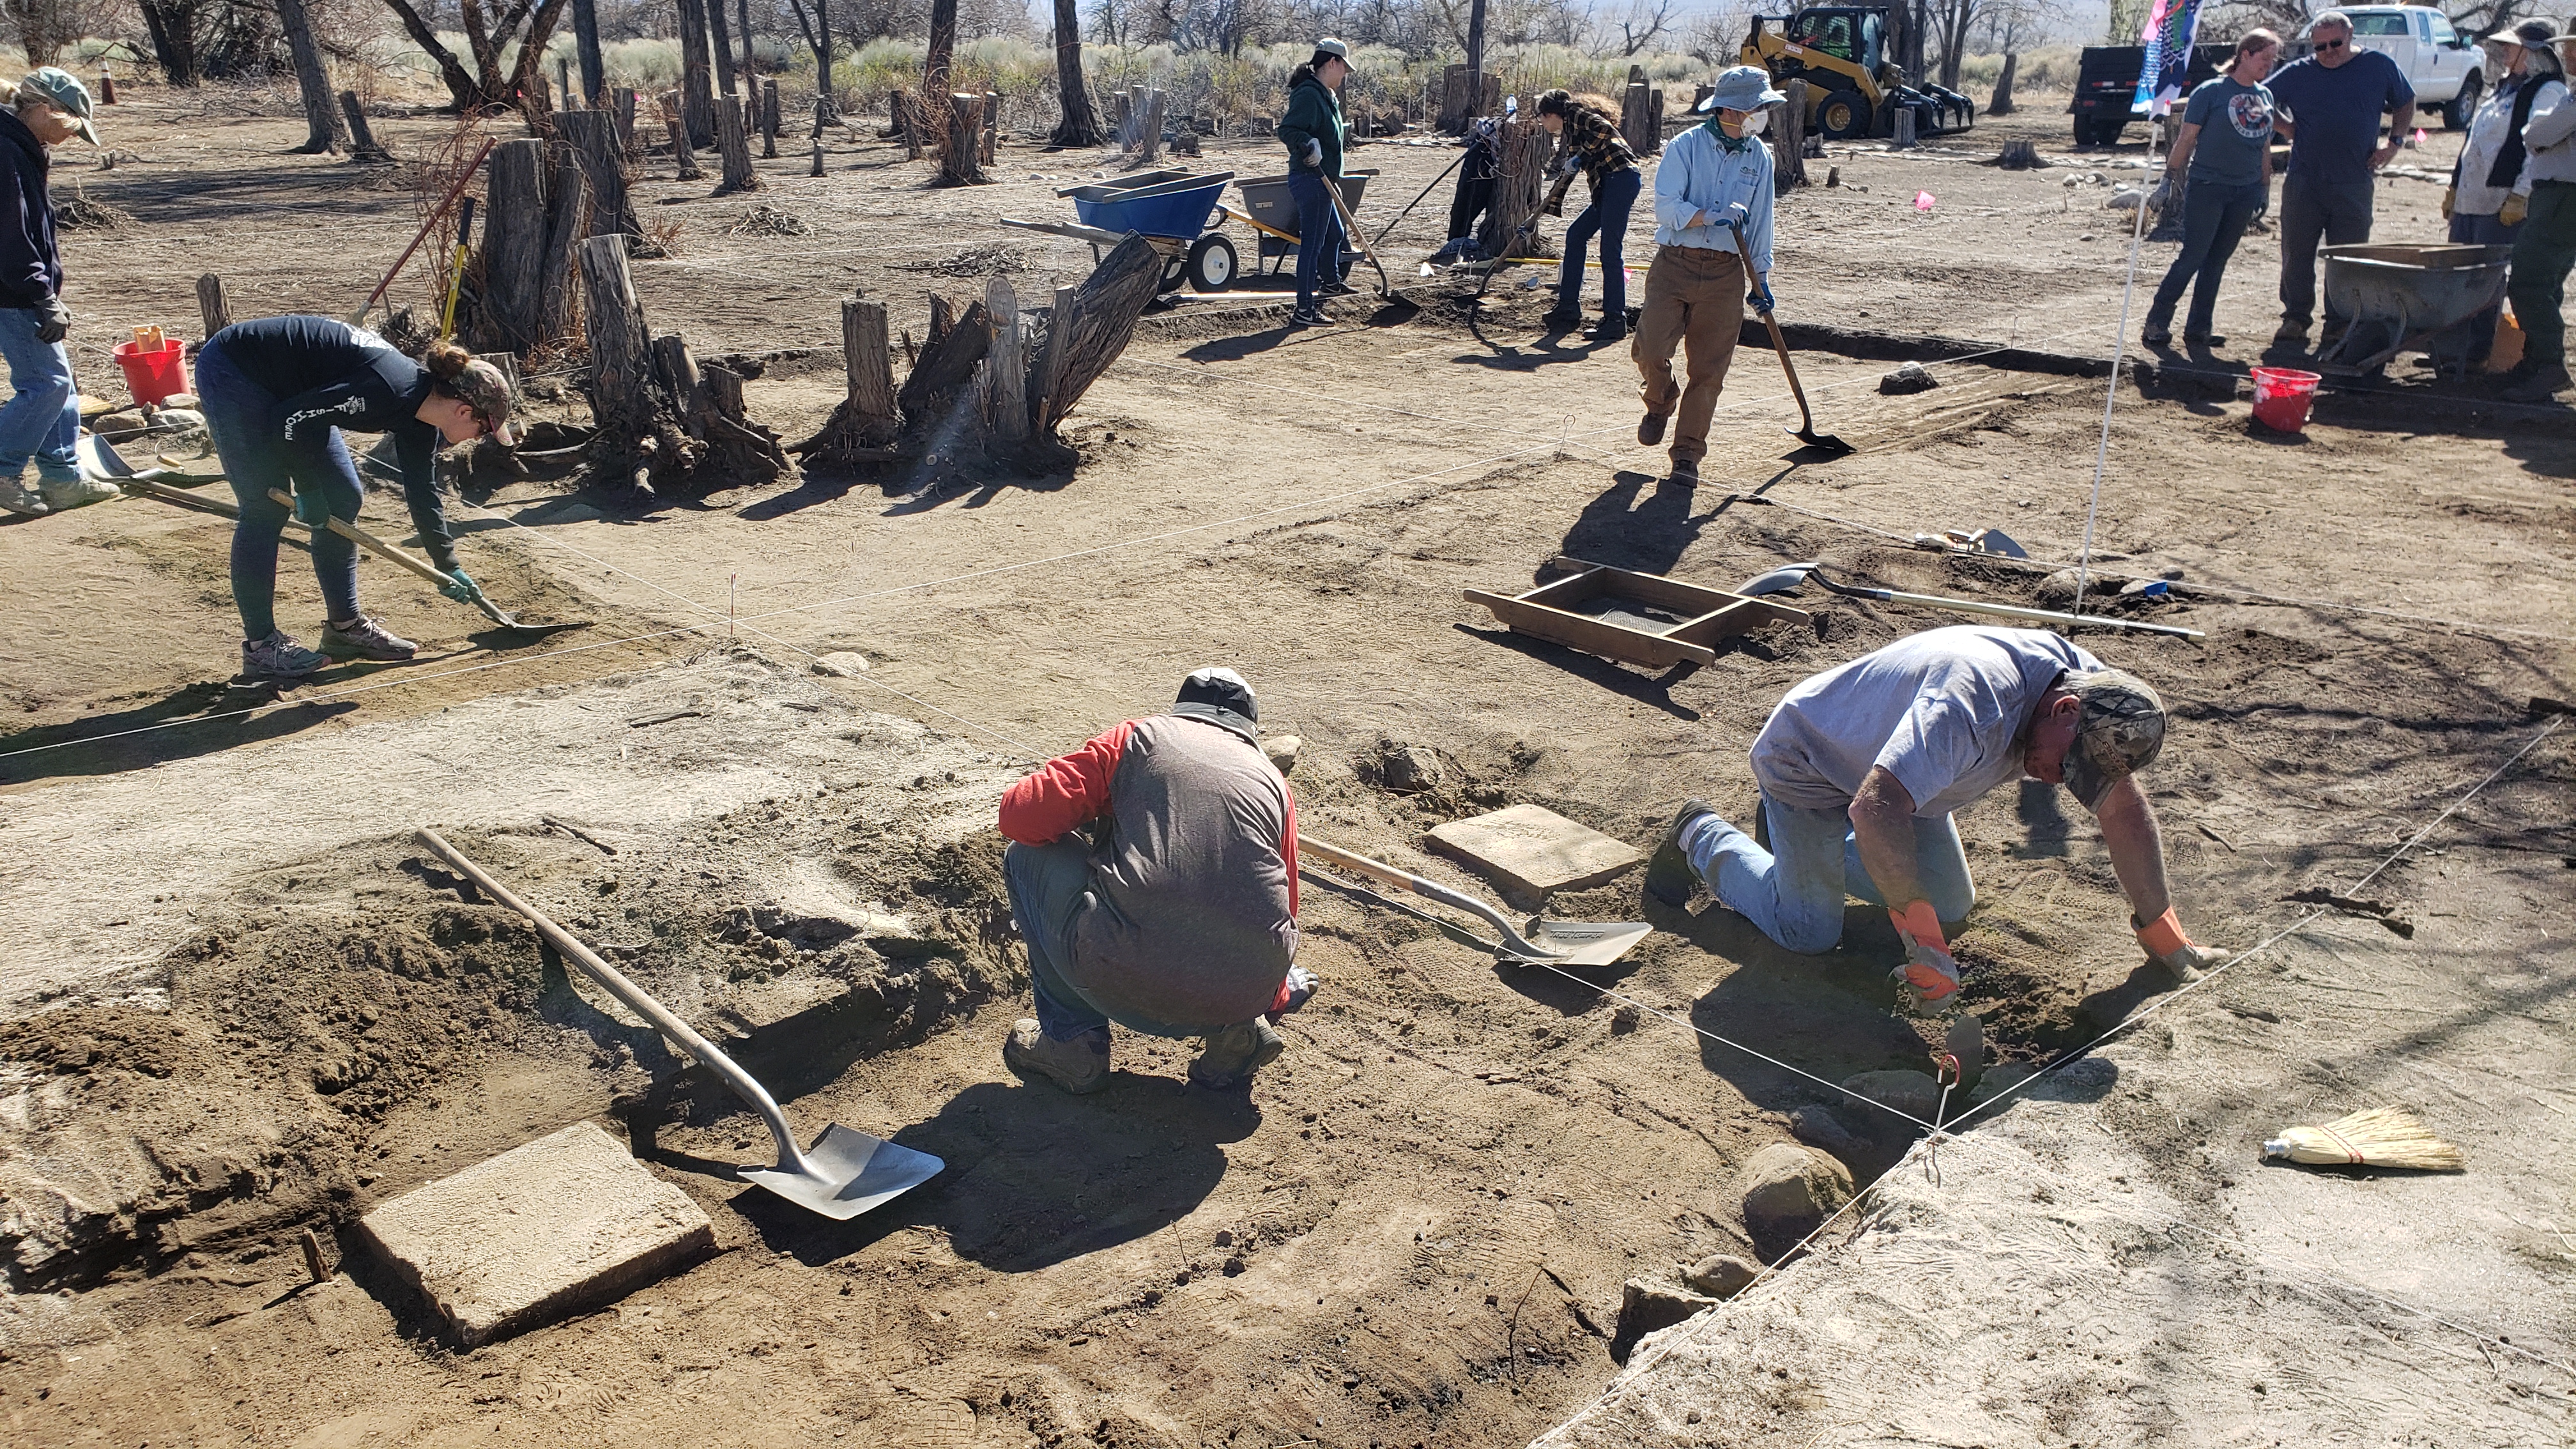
{"x":1861,"y":768}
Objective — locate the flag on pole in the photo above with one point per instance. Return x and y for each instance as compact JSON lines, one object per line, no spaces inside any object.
{"x":2172,"y":26}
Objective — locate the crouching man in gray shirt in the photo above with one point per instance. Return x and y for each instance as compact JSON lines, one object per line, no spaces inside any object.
{"x":1861,"y":768}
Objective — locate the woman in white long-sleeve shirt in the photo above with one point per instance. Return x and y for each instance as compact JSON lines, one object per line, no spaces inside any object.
{"x":2488,"y":193}
{"x":2545,"y":247}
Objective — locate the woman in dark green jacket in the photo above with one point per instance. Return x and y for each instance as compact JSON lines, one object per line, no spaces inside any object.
{"x":1312,"y":131}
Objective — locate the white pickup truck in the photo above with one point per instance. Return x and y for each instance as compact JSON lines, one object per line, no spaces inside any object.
{"x":2440,"y":63}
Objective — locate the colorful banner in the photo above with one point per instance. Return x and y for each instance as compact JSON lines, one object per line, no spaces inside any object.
{"x":2171,"y":28}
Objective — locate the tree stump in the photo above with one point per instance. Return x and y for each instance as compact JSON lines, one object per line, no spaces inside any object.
{"x":567,"y":226}
{"x":598,"y":146}
{"x":769,"y":120}
{"x":1636,"y":115}
{"x":214,"y":308}
{"x":640,"y":442}
{"x":2002,"y":102}
{"x":961,"y":147}
{"x":1005,"y":370}
{"x":674,"y":123}
{"x":1149,"y":132}
{"x":739,"y":453}
{"x":697,"y":106}
{"x":1090,"y":328}
{"x":944,"y":368}
{"x":991,"y":139}
{"x":868,"y":418}
{"x":1789,"y":143}
{"x":362,"y":139}
{"x":734,"y":145}
{"x":2018,"y":156}
{"x":1522,"y":149}
{"x":625,"y":123}
{"x":1904,"y":140}
{"x":1134,"y":120}
{"x":514,"y":244}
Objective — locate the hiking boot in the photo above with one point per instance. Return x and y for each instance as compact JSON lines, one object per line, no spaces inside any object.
{"x":1080,"y":1065}
{"x":1669,"y":876}
{"x":1685,"y":473}
{"x":278,"y":657}
{"x":364,"y":638}
{"x":2156,"y":334}
{"x":2292,"y":334}
{"x":1650,"y":430}
{"x":1608,"y":329}
{"x":17,"y":497}
{"x":64,"y":494}
{"x":1234,"y":1054}
{"x":1562,"y":319}
{"x":2543,"y":383}
{"x":1309,"y":317}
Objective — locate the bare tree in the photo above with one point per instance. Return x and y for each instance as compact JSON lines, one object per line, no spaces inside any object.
{"x":1081,"y":123}
{"x":525,"y":24}
{"x":322,"y":124}
{"x":818,"y":38}
{"x":1638,"y":22}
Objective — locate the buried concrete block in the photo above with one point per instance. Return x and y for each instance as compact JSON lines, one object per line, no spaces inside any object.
{"x":548,"y":1228}
{"x":1533,"y":851}
{"x":1646,"y":1308}
{"x":1789,"y":1191}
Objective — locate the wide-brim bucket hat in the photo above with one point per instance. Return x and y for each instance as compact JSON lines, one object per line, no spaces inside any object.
{"x":1743,"y":88}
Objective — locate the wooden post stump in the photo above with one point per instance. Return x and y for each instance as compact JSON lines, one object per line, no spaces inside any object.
{"x":514,"y":244}
{"x":867,"y":419}
{"x":769,"y":120}
{"x":598,"y":146}
{"x":676,"y":124}
{"x":958,"y":155}
{"x":1006,"y":399}
{"x":1789,"y":151}
{"x":625,"y":122}
{"x":735,"y":147}
{"x":1149,"y":136}
{"x":639,"y":438}
{"x":567,"y":226}
{"x":213,"y":307}
{"x":1522,"y":149}
{"x":991,"y":139}
{"x":362,"y":140}
{"x":697,"y":103}
{"x":2002,"y":102}
{"x":1636,"y":114}
{"x":1904,"y":130}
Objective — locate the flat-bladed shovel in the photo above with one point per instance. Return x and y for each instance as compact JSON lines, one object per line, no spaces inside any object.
{"x":1549,"y":943}
{"x":1805,"y":433}
{"x":842,"y":1175}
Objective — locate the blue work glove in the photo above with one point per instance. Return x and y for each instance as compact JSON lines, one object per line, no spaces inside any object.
{"x":461,"y":587}
{"x":311,"y":511}
{"x":1759,"y":299}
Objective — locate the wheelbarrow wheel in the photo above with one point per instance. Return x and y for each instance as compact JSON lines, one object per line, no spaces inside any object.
{"x":1212,"y":263}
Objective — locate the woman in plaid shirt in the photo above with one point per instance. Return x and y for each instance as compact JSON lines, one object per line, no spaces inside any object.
{"x":1587,"y":132}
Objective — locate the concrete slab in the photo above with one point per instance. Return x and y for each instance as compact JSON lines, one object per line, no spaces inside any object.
{"x":563,"y":1223}
{"x":1533,"y":850}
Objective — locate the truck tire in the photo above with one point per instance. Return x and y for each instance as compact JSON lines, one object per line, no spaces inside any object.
{"x":2458,"y":111}
{"x":1842,"y":115}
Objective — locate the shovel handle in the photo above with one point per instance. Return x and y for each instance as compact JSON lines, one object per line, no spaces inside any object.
{"x":368,"y":541}
{"x":614,"y":982}
{"x":1351,"y":229}
{"x":1308,"y":845}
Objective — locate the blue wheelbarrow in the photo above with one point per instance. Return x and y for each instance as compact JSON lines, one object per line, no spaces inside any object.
{"x":1170,"y":209}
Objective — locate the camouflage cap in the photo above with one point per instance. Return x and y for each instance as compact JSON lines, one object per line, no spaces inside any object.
{"x":2119,"y":732}
{"x":484,"y":389}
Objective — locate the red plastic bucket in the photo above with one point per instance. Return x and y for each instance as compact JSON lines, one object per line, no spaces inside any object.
{"x":2282,"y":396}
{"x":153,"y":376}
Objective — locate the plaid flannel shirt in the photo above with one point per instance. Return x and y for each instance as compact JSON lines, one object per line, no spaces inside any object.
{"x":1595,"y":146}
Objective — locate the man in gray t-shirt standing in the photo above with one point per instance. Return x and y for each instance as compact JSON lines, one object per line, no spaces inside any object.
{"x":1861,"y":768}
{"x":2223,"y":152}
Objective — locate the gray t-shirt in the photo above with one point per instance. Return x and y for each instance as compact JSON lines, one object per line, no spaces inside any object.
{"x":2235,"y":124}
{"x":1942,"y":711}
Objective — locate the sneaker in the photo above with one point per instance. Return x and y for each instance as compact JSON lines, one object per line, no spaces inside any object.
{"x":1608,"y":331}
{"x":1562,"y":319}
{"x":1669,"y":876}
{"x":1234,"y":1054}
{"x":364,"y":638}
{"x":1309,"y":317}
{"x":1079,"y":1065}
{"x":1684,"y":474}
{"x":1650,"y":430}
{"x":61,"y":495}
{"x":2543,"y":383}
{"x":1335,"y":289}
{"x":17,"y":497}
{"x":278,"y":657}
{"x":2204,"y":339}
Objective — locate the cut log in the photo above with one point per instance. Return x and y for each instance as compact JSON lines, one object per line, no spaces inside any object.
{"x":1091,"y":327}
{"x":514,"y":245}
{"x":213,"y":307}
{"x":1006,"y":399}
{"x":362,"y":139}
{"x":1789,"y":151}
{"x":960,"y":149}
{"x":733,"y":143}
{"x":598,"y":147}
{"x":867,"y":418}
{"x":568,"y":224}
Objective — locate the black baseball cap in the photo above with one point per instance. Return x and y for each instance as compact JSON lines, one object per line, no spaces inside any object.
{"x":1219,"y":696}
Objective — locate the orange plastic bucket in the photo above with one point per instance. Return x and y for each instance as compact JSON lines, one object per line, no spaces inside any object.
{"x":2282,"y":396}
{"x":153,"y":376}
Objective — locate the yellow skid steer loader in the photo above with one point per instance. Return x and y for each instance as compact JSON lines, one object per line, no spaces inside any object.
{"x":1847,"y":55}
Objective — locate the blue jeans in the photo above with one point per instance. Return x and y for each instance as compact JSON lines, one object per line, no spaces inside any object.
{"x":1319,"y":232}
{"x":2487,"y":230}
{"x":1794,"y":891}
{"x":242,"y":417}
{"x":1050,"y":887}
{"x":1608,"y":216}
{"x":2213,"y":221}
{"x":41,"y":420}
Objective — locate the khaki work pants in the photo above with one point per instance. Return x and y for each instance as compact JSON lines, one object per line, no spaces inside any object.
{"x":1694,"y":300}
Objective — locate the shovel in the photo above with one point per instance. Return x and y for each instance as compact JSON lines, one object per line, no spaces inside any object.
{"x":844,"y":1174}
{"x":1781,"y":580}
{"x":1807,"y":433}
{"x":420,"y":566}
{"x":1549,"y":943}
{"x":1351,"y":229}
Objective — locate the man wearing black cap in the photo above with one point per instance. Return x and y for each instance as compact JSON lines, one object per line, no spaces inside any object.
{"x":1177,"y":917}
{"x":1861,"y":768}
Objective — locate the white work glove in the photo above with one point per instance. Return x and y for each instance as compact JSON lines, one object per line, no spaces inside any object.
{"x":1315,"y":153}
{"x":1928,"y":983}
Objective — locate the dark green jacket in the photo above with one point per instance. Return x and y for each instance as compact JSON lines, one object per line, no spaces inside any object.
{"x":1314,"y":114}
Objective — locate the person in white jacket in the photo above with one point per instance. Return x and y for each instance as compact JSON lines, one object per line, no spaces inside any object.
{"x":2546,"y":245}
{"x":2488,"y":193}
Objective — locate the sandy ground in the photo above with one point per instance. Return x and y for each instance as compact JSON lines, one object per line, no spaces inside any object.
{"x":246,"y":1006}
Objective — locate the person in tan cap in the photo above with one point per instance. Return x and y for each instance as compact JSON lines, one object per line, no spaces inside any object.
{"x":41,"y":420}
{"x":277,"y":394}
{"x":1862,"y":768}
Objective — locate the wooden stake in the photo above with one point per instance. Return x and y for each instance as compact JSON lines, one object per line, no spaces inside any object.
{"x":769,"y":120}
{"x":213,"y":306}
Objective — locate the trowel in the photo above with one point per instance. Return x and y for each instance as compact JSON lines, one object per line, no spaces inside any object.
{"x":845,"y":1173}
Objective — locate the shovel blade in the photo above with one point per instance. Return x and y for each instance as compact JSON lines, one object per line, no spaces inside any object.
{"x":1814,"y":439}
{"x":851,"y":1173}
{"x":1585,"y":943}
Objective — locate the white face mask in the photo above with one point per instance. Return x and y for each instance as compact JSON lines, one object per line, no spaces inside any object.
{"x":1757,"y":123}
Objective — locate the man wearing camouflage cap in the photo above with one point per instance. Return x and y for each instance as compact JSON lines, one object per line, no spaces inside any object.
{"x":1862,"y":767}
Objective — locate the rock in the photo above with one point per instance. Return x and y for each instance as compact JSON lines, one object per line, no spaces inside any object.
{"x":1817,"y":1128}
{"x":2127,"y":198}
{"x":1646,"y":1308}
{"x":1788,"y":1191}
{"x":563,"y":1223}
{"x":1720,"y":1275}
{"x":1282,"y":750}
{"x":841,"y":664}
{"x":1407,"y":768}
{"x":2057,"y":591}
{"x":2000,"y":1078}
{"x":1913,"y":377}
{"x":123,"y":420}
{"x":1531,"y":850}
{"x":1626,"y":1019}
{"x":1913,"y":1093}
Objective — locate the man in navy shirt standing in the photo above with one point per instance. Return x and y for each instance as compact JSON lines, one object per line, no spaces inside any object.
{"x":2333,"y":100}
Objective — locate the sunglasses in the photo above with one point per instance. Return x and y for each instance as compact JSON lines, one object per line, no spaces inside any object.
{"x":2332,"y":44}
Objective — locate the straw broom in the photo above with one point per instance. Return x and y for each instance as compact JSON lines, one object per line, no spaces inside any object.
{"x":2378,"y":1137}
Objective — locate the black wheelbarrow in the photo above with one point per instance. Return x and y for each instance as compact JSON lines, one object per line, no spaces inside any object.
{"x":1271,"y":213}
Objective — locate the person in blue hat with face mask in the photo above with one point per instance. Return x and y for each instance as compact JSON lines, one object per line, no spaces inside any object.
{"x":1714,"y":178}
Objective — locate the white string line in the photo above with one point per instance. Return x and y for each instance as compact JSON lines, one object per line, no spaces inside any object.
{"x":2111,"y":395}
